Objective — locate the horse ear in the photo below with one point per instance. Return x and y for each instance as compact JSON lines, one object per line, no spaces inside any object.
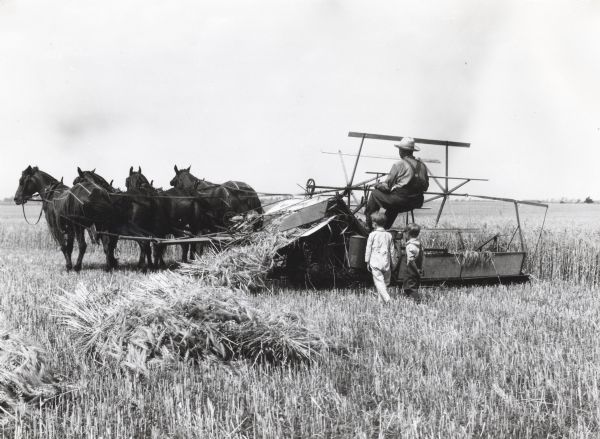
{"x":111,"y":182}
{"x":35,"y":169}
{"x":131,"y":170}
{"x":139,"y":169}
{"x":93,"y":170}
{"x":152,"y":183}
{"x":28,"y":169}
{"x":189,"y":167}
{"x":79,"y":171}
{"x":176,"y":170}
{"x":61,"y":180}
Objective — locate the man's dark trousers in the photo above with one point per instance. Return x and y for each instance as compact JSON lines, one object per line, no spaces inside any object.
{"x":393,"y":202}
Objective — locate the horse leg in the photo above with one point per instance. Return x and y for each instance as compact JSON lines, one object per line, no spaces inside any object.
{"x":159,"y":262}
{"x":195,"y":225}
{"x":149,"y":262}
{"x":67,"y":248}
{"x":259,"y":211}
{"x":198,"y":249}
{"x":193,"y":246}
{"x":184,"y":252}
{"x":80,"y":235}
{"x":112,"y":248}
{"x":109,"y":243}
{"x":141,"y":259}
{"x":161,"y":254}
{"x":145,"y":254}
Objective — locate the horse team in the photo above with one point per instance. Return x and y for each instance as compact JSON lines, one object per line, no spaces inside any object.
{"x":192,"y":206}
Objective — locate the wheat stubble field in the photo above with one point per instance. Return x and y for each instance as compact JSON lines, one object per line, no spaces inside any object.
{"x":500,"y":361}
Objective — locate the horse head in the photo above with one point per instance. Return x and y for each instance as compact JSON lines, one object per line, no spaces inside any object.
{"x":137,"y":180}
{"x":80,"y":176}
{"x":200,"y":184}
{"x":92,"y":177}
{"x":28,"y":185}
{"x":183,"y":178}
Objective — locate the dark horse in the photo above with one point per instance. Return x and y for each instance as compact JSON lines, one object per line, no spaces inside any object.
{"x":225,"y":201}
{"x":179,"y":209}
{"x":68,"y":212}
{"x":145,"y":215}
{"x":136,"y":211}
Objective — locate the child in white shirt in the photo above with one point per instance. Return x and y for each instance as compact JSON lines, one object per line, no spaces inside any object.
{"x":380,"y":255}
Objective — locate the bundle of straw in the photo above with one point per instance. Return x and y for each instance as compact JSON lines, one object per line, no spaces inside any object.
{"x":25,"y":377}
{"x":244,"y":266}
{"x":171,"y":317}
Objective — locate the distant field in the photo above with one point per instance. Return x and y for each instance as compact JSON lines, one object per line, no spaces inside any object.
{"x":568,"y":247}
{"x":559,"y":215}
{"x":516,"y":361}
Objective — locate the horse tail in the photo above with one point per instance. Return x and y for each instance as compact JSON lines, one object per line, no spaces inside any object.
{"x":59,"y":215}
{"x":53,"y":220}
{"x":197,"y":216}
{"x":258,"y":206}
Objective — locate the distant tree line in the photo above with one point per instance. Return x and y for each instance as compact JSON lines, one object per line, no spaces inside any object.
{"x":563,"y":200}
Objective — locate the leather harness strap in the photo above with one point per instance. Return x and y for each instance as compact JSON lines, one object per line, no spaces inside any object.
{"x":25,"y":216}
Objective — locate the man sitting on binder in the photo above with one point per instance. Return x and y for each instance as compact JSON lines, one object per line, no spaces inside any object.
{"x":403,"y":189}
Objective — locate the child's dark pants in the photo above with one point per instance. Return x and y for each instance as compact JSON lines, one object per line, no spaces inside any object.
{"x":411,"y":284}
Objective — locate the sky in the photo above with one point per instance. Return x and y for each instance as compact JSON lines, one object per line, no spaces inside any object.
{"x":254,"y":91}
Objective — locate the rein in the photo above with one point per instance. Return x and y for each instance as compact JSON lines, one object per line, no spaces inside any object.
{"x":25,"y":215}
{"x":52,"y":188}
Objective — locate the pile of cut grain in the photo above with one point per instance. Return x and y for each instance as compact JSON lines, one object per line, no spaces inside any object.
{"x":25,"y":377}
{"x":171,"y":317}
{"x":244,"y":265}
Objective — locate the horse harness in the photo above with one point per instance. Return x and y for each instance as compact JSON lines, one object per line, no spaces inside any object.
{"x":51,"y":188}
{"x":25,"y":215}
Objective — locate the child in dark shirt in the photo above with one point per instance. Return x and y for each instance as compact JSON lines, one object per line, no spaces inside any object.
{"x":414,"y":262}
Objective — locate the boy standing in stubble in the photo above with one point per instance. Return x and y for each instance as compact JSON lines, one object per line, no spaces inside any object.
{"x":414,"y":263}
{"x":379,"y":255}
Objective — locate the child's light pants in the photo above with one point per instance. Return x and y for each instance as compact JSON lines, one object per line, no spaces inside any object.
{"x":381,"y":279}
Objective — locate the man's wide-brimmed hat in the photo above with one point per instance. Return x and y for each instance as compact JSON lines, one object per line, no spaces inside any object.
{"x":407,"y":144}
